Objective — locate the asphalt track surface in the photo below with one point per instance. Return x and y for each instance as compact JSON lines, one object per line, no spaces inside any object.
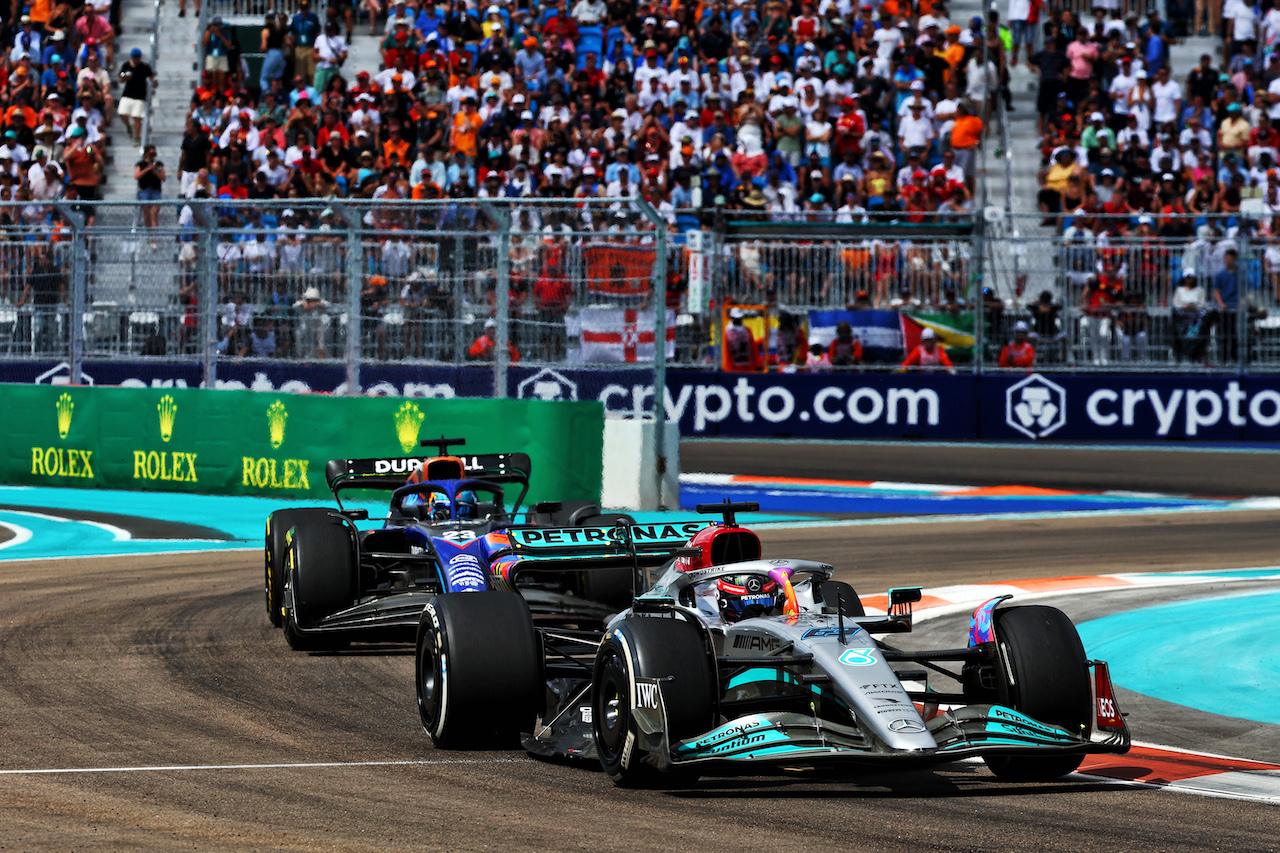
{"x":167,"y":661}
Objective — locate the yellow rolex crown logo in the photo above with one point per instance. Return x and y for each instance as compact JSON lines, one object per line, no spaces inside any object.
{"x":409,"y":420}
{"x":65,"y":408}
{"x":276,"y":416}
{"x":168,"y":410}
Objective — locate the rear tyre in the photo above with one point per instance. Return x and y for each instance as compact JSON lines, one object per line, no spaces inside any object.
{"x":322,"y":573}
{"x":478,"y":670}
{"x":650,"y":648}
{"x":1042,"y":650}
{"x":278,"y":524}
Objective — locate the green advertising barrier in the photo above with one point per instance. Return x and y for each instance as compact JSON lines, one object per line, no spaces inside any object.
{"x":249,"y":443}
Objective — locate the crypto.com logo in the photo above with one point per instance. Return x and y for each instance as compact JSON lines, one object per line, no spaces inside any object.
{"x":1035,"y":406}
{"x":547,"y":384}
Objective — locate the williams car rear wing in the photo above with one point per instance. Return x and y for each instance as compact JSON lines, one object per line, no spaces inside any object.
{"x":391,"y":472}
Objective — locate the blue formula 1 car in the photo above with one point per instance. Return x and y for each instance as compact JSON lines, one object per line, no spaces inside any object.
{"x":328,"y":582}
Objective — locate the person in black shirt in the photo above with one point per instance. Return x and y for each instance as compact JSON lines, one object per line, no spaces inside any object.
{"x":134,"y":74}
{"x":714,"y":44}
{"x":1050,"y":64}
{"x":194,"y":157}
{"x":149,"y":172}
{"x":1203,"y":80}
{"x":45,"y":290}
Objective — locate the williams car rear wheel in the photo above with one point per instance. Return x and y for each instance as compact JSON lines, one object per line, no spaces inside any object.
{"x":321,"y":573}
{"x":278,"y":525}
{"x":478,"y":670}
{"x":667,"y":649}
{"x":1040,"y":649}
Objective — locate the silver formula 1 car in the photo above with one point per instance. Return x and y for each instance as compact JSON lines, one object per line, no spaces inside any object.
{"x":793,"y":674}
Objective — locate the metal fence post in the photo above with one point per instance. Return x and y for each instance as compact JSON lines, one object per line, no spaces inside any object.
{"x":79,"y":274}
{"x":355,"y":277}
{"x":979,"y":299}
{"x":659,"y":348}
{"x":502,"y":296}
{"x":1244,"y":260}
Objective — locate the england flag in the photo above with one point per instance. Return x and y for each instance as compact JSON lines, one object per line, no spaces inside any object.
{"x":622,"y":335}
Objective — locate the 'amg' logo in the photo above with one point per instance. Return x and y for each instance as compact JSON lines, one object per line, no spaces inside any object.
{"x":757,"y":643}
{"x":647,"y":696}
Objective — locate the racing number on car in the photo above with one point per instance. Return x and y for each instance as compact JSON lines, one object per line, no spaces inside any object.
{"x":858,"y":657}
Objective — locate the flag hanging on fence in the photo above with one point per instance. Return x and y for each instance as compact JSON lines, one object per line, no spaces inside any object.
{"x":619,"y":270}
{"x":955,"y":331}
{"x":618,"y":334}
{"x":879,"y":332}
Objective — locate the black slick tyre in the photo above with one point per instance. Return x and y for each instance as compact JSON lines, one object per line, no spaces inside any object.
{"x":1040,"y":648}
{"x":278,"y":524}
{"x":478,"y":668}
{"x":669,"y":649}
{"x":322,"y":573}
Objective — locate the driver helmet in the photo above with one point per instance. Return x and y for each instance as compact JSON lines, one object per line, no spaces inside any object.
{"x":440,"y":509}
{"x":745,"y":596}
{"x":467,"y":510}
{"x":418,"y":498}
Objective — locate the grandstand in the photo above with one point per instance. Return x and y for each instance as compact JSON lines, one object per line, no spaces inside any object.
{"x":879,"y":122}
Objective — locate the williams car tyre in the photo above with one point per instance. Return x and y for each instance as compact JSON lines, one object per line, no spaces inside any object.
{"x":1050,"y":683}
{"x":321,"y":572}
{"x":278,"y":525}
{"x":478,"y":670}
{"x":668,"y":649}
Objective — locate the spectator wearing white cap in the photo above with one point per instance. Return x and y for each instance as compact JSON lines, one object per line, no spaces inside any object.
{"x":916,"y":96}
{"x":1097,"y":135}
{"x":1119,"y":91}
{"x":1018,"y":352}
{"x":915,"y":130}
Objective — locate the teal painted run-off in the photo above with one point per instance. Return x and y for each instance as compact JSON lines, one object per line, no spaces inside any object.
{"x":1217,"y":655}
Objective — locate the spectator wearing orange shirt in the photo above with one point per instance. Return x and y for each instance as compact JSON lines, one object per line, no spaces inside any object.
{"x":84,"y":164}
{"x":928,"y":355}
{"x":484,"y":347}
{"x":464,"y":130}
{"x":1018,"y":352}
{"x":966,"y":133}
{"x":396,"y":145}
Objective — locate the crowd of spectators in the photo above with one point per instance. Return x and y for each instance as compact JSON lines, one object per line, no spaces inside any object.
{"x":781,"y":108}
{"x":1151,"y":172}
{"x":60,"y":89}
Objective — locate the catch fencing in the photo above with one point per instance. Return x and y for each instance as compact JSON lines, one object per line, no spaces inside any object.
{"x":355,"y":284}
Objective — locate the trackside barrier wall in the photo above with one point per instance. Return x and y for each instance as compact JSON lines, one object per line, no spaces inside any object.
{"x":239,"y":442}
{"x":992,"y":407}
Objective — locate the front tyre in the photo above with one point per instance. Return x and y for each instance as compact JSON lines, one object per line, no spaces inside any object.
{"x":278,"y":525}
{"x":666,"y":649}
{"x":322,"y":574}
{"x":478,"y":668}
{"x":1042,"y":650}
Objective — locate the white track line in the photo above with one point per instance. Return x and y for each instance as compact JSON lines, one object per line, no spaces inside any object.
{"x":118,"y":534}
{"x":20,"y":535}
{"x":300,"y":765}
